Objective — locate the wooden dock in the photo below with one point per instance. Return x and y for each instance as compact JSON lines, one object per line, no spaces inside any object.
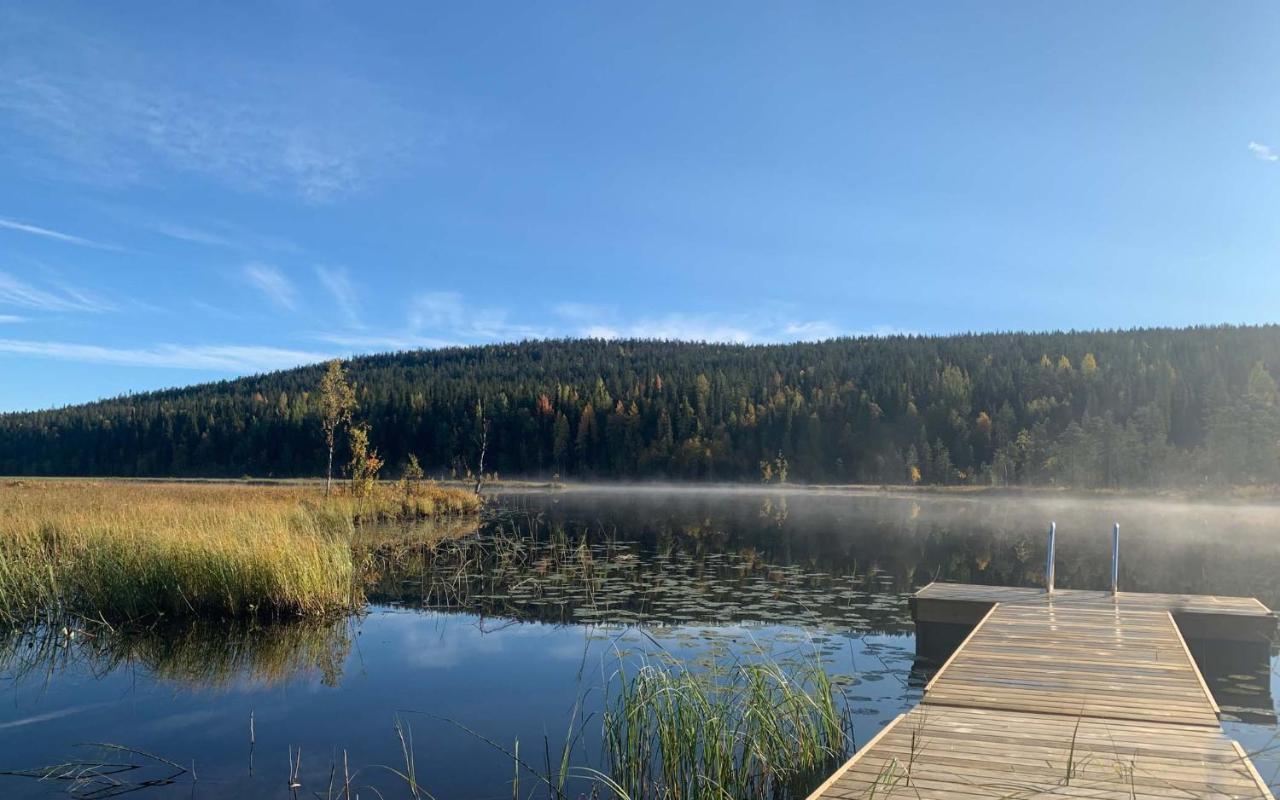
{"x":1070,"y":694}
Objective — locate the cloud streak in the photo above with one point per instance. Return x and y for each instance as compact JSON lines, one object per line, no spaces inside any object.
{"x":447,"y":319}
{"x":49,"y":233}
{"x":237,"y":359}
{"x":14,"y":292}
{"x":437,"y":319}
{"x":273,"y":284}
{"x":602,"y":323}
{"x":336,"y":281}
{"x":1263,"y":152}
{"x":103,"y":110}
{"x":448,"y":315}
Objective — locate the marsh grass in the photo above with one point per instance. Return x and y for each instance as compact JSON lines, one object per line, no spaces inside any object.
{"x":118,"y":550}
{"x":743,"y":730}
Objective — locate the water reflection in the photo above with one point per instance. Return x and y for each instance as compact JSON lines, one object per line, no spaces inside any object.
{"x":913,"y":538}
{"x":204,"y":654}
{"x":524,"y":567}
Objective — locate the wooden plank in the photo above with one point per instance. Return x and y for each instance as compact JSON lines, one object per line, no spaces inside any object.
{"x":858,"y":756}
{"x":1253,"y":771}
{"x":1204,"y":687}
{"x":959,"y":649}
{"x":937,"y":752}
{"x":1047,"y":659}
{"x":1177,"y":603}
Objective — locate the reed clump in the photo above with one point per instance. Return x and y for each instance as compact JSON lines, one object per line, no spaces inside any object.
{"x":120,"y":550}
{"x":741,"y":730}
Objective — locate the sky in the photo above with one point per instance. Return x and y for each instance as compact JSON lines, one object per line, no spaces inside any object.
{"x":194,"y":191}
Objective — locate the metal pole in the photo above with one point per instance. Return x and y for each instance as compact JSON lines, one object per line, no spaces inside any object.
{"x":1115,"y":558}
{"x":1048,"y":564}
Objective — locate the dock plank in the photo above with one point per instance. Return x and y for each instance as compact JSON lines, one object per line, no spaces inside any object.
{"x":940,"y":751}
{"x":1050,"y":659}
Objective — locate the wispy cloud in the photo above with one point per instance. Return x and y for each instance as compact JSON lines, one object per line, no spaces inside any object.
{"x":603,"y":323}
{"x":218,"y":358}
{"x":336,"y":281}
{"x":218,"y":234}
{"x":1263,"y":152}
{"x":449,"y":315}
{"x":672,"y":326}
{"x":273,"y":284}
{"x":101,"y":109}
{"x":49,"y":233}
{"x":812,"y":330}
{"x":184,"y":233}
{"x":438,"y":319}
{"x":445,"y":319}
{"x":370,"y":342}
{"x":9,"y":318}
{"x":15,"y":292}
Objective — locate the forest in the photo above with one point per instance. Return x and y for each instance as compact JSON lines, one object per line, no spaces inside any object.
{"x":1145,"y":408}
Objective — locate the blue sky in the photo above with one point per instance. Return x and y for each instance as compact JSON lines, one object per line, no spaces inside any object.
{"x":192,"y":191}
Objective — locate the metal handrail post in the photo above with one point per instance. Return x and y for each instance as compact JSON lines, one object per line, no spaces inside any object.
{"x":1048,"y":564}
{"x":1115,"y":559}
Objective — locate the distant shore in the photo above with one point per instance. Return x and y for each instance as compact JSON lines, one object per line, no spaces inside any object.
{"x":1227,"y":495}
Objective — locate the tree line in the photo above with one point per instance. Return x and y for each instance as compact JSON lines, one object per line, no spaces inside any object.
{"x":1135,"y":408}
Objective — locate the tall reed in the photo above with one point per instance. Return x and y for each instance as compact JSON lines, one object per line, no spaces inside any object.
{"x":746,"y":730}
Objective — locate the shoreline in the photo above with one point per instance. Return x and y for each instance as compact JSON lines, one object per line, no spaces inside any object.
{"x":1229,"y":496}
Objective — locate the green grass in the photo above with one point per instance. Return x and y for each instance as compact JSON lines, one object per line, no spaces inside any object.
{"x":746,"y":730}
{"x":126,"y":551}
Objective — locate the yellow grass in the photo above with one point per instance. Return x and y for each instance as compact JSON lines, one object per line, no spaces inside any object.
{"x":127,"y":550}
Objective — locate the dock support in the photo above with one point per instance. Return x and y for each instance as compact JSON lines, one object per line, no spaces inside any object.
{"x":1115,"y":559}
{"x":1048,"y":564}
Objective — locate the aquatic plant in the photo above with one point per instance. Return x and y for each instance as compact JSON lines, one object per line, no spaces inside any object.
{"x":744,"y":730}
{"x":526,"y":568}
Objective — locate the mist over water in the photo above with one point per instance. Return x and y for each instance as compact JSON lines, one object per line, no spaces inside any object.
{"x":1167,"y":545}
{"x":503,"y":631}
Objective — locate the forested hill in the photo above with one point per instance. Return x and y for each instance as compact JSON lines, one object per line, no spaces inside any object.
{"x":1131,"y":408}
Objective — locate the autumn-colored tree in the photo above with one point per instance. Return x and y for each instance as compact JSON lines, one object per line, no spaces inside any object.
{"x":365,"y":462}
{"x":766,"y":471}
{"x":412,"y":477}
{"x":1088,"y":364}
{"x":337,"y":404}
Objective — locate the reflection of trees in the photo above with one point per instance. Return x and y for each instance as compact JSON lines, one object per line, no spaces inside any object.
{"x":199,"y":653}
{"x":911,"y":539}
{"x":523,"y":567}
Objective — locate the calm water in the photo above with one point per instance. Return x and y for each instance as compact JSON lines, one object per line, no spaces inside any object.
{"x":512,"y":634}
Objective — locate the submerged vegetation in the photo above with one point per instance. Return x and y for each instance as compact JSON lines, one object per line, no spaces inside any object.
{"x":125,"y":551}
{"x":527,"y":568}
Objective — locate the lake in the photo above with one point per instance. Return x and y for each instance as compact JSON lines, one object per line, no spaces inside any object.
{"x":514,"y":633}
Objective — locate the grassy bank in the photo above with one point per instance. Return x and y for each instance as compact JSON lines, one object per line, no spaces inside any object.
{"x":124,"y":551}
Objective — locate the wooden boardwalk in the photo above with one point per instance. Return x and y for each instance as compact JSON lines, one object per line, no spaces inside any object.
{"x":1074,"y":694}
